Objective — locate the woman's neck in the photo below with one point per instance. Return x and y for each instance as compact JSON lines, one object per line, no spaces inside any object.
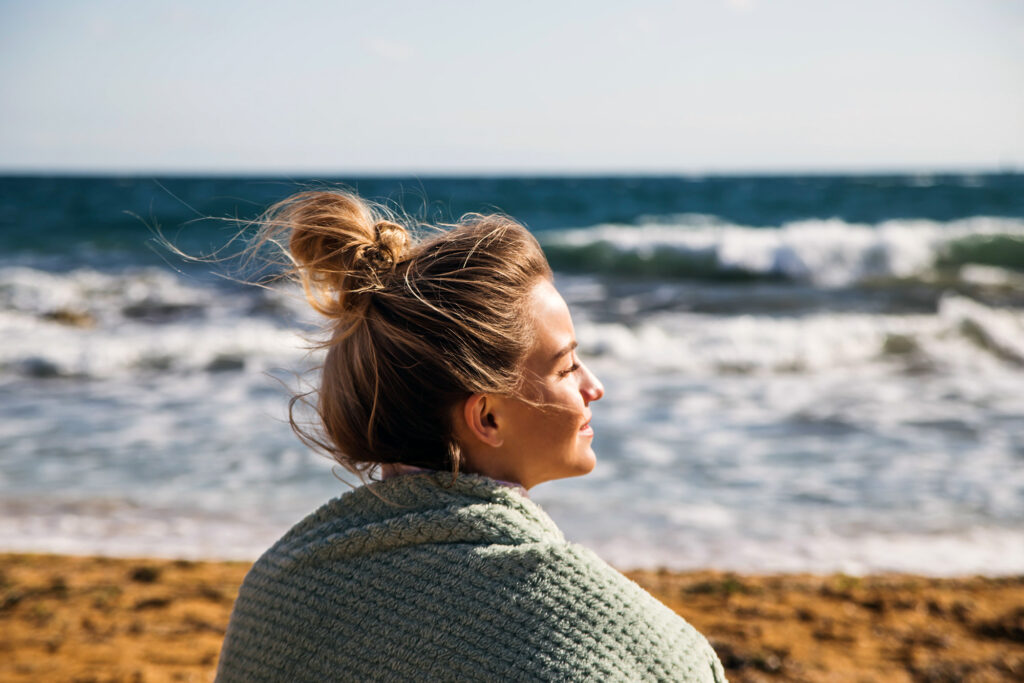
{"x":397,"y":469}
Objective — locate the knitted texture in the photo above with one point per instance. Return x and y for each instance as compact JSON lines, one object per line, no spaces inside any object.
{"x":420,"y":577}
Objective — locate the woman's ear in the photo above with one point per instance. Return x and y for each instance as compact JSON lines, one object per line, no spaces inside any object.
{"x":479,"y":414}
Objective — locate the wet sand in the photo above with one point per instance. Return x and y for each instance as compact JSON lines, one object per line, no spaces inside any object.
{"x":83,"y":619}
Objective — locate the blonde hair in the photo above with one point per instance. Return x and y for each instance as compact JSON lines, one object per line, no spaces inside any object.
{"x":414,"y":326}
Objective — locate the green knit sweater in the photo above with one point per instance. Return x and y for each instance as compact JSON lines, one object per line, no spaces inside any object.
{"x":421,"y":578}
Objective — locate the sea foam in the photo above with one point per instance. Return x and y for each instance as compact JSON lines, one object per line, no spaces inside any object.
{"x":824,"y":252}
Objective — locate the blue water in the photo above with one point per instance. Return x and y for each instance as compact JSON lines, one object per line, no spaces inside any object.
{"x":802,"y":372}
{"x":60,"y":215}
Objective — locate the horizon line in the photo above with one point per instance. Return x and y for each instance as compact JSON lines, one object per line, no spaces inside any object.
{"x":81,"y":172}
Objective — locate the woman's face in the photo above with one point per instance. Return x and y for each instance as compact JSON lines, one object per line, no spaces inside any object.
{"x":552,"y":440}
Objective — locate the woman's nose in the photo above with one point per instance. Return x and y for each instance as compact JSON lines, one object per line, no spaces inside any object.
{"x":591,"y":386}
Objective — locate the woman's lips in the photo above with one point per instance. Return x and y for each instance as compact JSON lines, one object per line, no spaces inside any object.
{"x":586,"y":429}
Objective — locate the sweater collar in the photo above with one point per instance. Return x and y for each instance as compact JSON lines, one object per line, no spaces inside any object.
{"x":391,"y":470}
{"x":419,"y":509}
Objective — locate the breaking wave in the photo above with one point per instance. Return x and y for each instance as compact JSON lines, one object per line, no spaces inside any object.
{"x":826,"y":253}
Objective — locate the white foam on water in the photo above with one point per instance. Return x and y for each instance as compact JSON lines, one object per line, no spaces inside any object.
{"x":964,"y":334}
{"x":176,"y":535}
{"x":989,"y":552}
{"x":124,"y":350}
{"x":828,"y":253}
{"x":708,"y":537}
{"x":86,"y":290}
{"x":998,"y":330}
{"x":820,"y":441}
{"x":117,"y":325}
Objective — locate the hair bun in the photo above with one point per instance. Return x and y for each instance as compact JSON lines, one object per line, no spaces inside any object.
{"x":390,"y":240}
{"x":342,"y":247}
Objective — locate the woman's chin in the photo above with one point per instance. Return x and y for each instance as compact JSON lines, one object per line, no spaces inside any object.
{"x":586,"y":463}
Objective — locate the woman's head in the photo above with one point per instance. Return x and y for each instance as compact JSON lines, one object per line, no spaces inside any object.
{"x":543,"y":432}
{"x":421,"y":329}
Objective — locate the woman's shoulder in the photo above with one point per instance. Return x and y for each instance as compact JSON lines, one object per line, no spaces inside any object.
{"x":609,"y":626}
{"x":474,"y":577}
{"x":414,"y":510}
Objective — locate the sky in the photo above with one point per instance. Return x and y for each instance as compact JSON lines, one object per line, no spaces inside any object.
{"x":454,"y":87}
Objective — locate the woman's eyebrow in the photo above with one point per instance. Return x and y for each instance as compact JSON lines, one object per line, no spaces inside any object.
{"x":566,"y":349}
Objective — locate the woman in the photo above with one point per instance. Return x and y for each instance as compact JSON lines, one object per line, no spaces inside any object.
{"x":451,"y":366}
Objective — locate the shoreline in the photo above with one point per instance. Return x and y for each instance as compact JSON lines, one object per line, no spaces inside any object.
{"x":66,"y":617}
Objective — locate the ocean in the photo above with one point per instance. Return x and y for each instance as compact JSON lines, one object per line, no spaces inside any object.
{"x":802,"y":373}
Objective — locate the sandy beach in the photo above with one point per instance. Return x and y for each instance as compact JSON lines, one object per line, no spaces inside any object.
{"x":65,"y":618}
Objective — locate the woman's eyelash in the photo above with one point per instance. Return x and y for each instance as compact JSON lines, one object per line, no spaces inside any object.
{"x":573,"y":368}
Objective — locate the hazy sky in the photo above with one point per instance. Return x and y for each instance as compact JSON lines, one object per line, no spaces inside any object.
{"x":445,"y":86}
